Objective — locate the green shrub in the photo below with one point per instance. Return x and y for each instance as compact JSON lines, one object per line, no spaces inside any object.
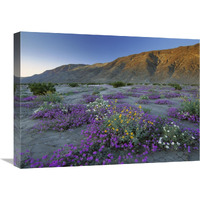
{"x":73,"y":84}
{"x":95,"y":83}
{"x":162,"y":96}
{"x":144,"y":97}
{"x":41,"y":88}
{"x":118,"y":84}
{"x":130,"y":84}
{"x":176,"y":86}
{"x":69,"y":93}
{"x":50,"y":97}
{"x":147,"y":110}
{"x":95,"y":92}
{"x":49,"y":106}
{"x":190,"y":106}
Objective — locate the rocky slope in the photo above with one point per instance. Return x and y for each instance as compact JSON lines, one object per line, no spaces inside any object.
{"x":178,"y":65}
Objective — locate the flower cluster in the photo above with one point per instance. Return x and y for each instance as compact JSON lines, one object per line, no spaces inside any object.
{"x":143,"y":101}
{"x":62,"y":119}
{"x":177,"y":113}
{"x":114,"y":96}
{"x":99,"y":108}
{"x":162,"y":101}
{"x":89,"y":98}
{"x":154,"y":96}
{"x":172,"y":95}
{"x":174,"y":138}
{"x":29,"y":98}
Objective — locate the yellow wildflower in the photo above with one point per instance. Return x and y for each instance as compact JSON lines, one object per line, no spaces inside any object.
{"x":123,"y":137}
{"x":131,"y":137}
{"x":127,"y":133}
{"x":140,"y":107}
{"x":131,"y":133}
{"x":117,"y":129}
{"x":105,"y":131}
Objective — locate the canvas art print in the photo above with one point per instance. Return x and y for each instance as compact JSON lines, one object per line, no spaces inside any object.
{"x":100,"y":100}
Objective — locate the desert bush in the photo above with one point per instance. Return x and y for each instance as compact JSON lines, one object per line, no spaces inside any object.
{"x":156,"y":84}
{"x":191,"y":107}
{"x":130,"y":84}
{"x":95,"y":83}
{"x":189,"y":110}
{"x":46,"y":106}
{"x":96,"y":92}
{"x":162,"y":96}
{"x":73,"y":84}
{"x":147,"y":110}
{"x":69,"y":93}
{"x":118,"y":84}
{"x":41,"y":88}
{"x":176,"y":86}
{"x":50,"y":97}
{"x":144,"y":97}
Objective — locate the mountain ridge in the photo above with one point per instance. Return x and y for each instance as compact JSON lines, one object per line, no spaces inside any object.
{"x":177,"y":65}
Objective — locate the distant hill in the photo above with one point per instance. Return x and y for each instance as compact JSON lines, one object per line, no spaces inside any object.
{"x":178,"y":65}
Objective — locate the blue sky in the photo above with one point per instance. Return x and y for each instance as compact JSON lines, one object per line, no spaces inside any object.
{"x":43,"y":51}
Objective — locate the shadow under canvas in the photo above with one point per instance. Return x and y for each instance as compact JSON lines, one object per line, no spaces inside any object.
{"x":9,"y":160}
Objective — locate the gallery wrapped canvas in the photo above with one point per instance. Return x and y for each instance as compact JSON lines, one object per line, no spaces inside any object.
{"x":99,"y":100}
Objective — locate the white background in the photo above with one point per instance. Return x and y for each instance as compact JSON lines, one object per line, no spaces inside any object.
{"x":154,"y":18}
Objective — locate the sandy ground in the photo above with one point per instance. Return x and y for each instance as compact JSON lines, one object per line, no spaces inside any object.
{"x":40,"y":144}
